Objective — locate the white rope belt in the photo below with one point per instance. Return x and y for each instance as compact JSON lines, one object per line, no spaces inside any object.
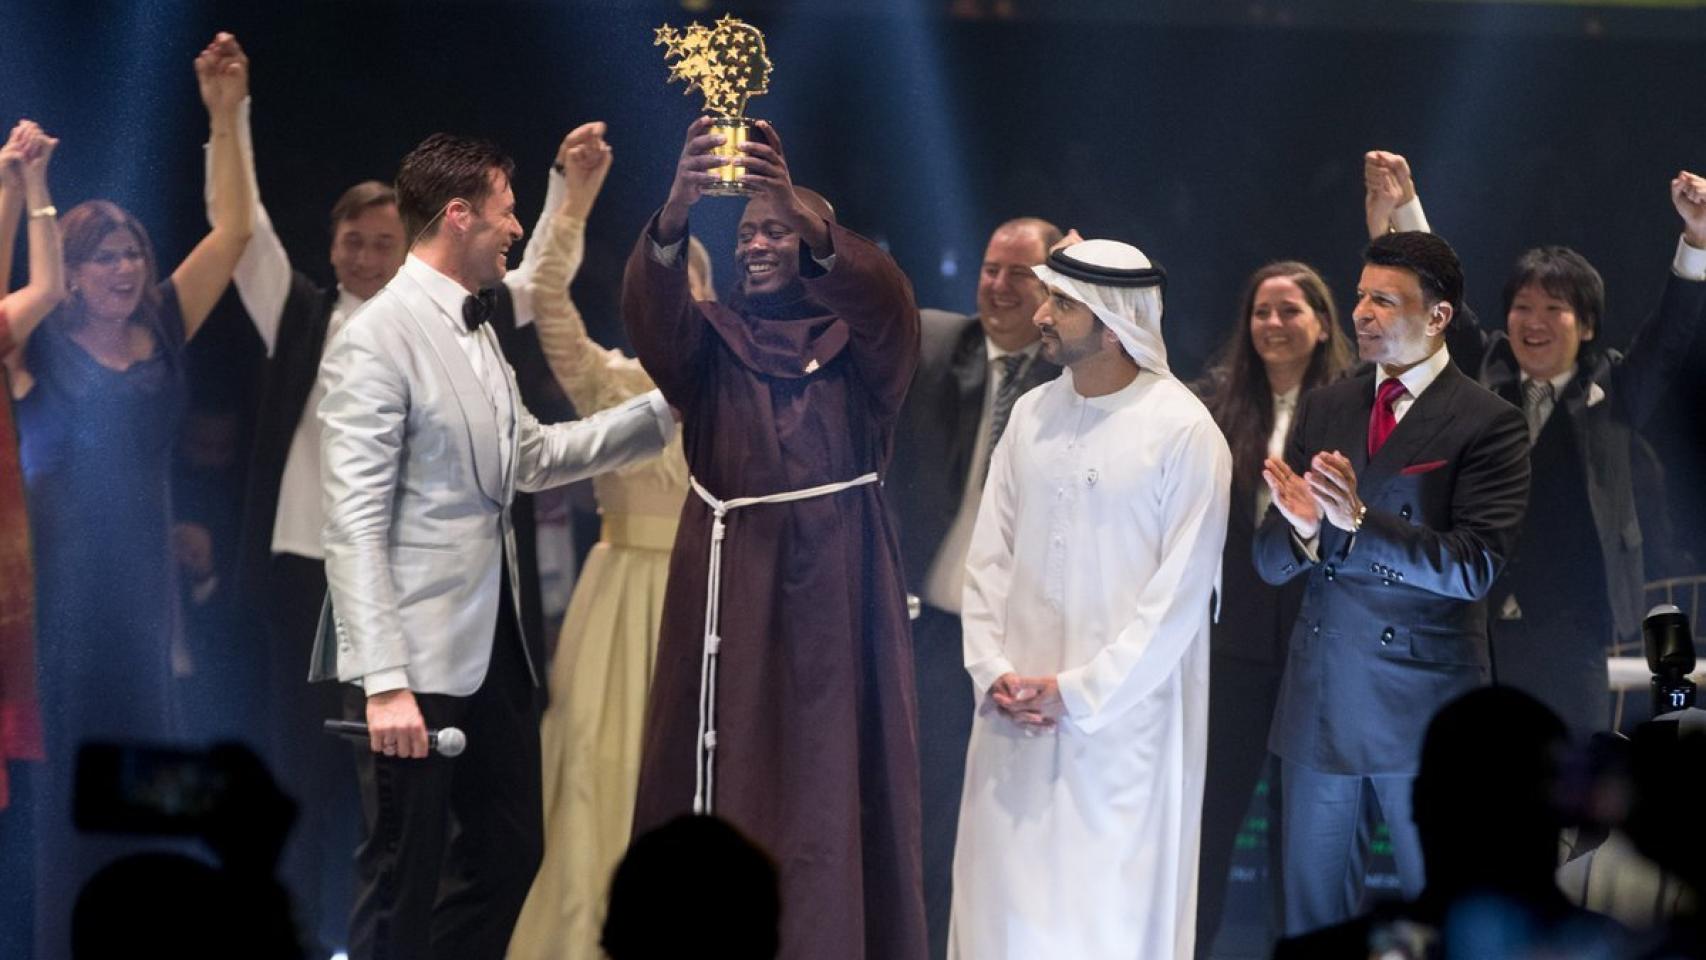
{"x":705,"y":772}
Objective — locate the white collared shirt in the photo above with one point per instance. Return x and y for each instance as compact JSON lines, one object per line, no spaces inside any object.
{"x":1285,"y":407}
{"x":479,"y":346}
{"x":944,"y":583}
{"x":300,"y":518}
{"x":1415,"y":380}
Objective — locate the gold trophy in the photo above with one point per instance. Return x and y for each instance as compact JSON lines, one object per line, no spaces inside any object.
{"x":727,"y":64}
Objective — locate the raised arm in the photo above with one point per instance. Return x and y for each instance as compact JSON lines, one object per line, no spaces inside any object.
{"x":263,"y":273}
{"x":850,"y":275}
{"x":23,"y":186}
{"x":11,"y":210}
{"x":1390,"y":201}
{"x":520,"y":280}
{"x":222,"y":72}
{"x":1662,"y":344}
{"x":657,"y":306}
{"x":576,"y":362}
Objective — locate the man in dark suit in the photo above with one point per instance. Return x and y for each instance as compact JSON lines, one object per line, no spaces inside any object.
{"x":1576,"y":582}
{"x":970,"y":371}
{"x":1400,"y":495}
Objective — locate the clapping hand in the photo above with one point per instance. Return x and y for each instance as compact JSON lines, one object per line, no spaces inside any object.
{"x":1333,"y":482}
{"x":222,"y":73}
{"x":1688,"y":192}
{"x":1293,"y":497}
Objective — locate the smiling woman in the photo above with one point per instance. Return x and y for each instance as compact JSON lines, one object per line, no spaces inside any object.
{"x":1285,"y":340}
{"x":100,"y":390}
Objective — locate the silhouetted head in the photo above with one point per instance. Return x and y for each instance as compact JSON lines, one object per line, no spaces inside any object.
{"x":693,"y":887}
{"x":1486,"y":795}
{"x":153,"y":905}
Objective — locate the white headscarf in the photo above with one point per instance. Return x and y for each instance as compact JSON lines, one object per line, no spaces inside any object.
{"x":1121,"y":286}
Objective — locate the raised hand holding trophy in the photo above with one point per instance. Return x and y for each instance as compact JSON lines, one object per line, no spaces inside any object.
{"x":727,"y":64}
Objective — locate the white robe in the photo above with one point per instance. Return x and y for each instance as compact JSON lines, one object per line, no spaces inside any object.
{"x":1096,"y":556}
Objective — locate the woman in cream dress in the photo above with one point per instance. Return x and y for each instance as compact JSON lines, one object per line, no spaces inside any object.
{"x":590,"y":738}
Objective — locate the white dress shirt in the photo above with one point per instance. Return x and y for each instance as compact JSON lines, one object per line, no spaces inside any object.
{"x":479,"y":346}
{"x":298,"y":522}
{"x":1285,"y":406}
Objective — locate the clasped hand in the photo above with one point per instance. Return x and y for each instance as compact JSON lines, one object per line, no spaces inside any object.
{"x":1031,"y":702}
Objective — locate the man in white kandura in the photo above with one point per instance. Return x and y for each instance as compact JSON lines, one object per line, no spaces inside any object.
{"x":1086,"y":615}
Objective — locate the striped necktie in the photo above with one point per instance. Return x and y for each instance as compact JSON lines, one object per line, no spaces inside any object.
{"x":1006,"y":392}
{"x":1537,"y":400}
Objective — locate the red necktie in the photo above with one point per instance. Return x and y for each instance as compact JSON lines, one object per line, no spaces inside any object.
{"x":1381,"y":420}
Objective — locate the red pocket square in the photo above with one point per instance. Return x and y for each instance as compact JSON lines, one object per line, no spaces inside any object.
{"x":1416,"y":468}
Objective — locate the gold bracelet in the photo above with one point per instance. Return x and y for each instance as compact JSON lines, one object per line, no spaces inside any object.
{"x":48,"y":211}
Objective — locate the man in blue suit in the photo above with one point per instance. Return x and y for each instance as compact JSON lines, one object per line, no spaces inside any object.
{"x":1399,"y":498}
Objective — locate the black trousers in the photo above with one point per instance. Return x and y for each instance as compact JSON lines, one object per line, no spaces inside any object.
{"x":451,"y":845}
{"x":309,"y":765}
{"x":946,"y":703}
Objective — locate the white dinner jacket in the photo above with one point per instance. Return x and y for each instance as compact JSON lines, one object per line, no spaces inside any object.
{"x":417,"y":500}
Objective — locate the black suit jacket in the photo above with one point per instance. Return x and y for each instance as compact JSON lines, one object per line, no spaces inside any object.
{"x":936,"y":432}
{"x":1255,"y":618}
{"x":1607,"y":403}
{"x":1394,"y":621}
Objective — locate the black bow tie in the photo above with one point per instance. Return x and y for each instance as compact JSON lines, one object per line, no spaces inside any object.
{"x":477,"y":309}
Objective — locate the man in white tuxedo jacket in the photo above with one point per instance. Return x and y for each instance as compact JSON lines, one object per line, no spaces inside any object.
{"x":424,"y":443}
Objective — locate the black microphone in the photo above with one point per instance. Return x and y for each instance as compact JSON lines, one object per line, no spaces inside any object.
{"x":446,"y":743}
{"x":1670,"y":656}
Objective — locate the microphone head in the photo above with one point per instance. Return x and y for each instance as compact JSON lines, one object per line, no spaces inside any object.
{"x":451,"y":742}
{"x":1669,"y":645}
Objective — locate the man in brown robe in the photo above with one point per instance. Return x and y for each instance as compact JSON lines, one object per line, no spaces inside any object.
{"x":794,"y":385}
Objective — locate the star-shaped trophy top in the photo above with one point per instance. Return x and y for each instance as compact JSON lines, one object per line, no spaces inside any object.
{"x":726,"y":63}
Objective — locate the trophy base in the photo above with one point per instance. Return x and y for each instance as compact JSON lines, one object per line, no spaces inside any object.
{"x":731,"y":179}
{"x":728,"y":188}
